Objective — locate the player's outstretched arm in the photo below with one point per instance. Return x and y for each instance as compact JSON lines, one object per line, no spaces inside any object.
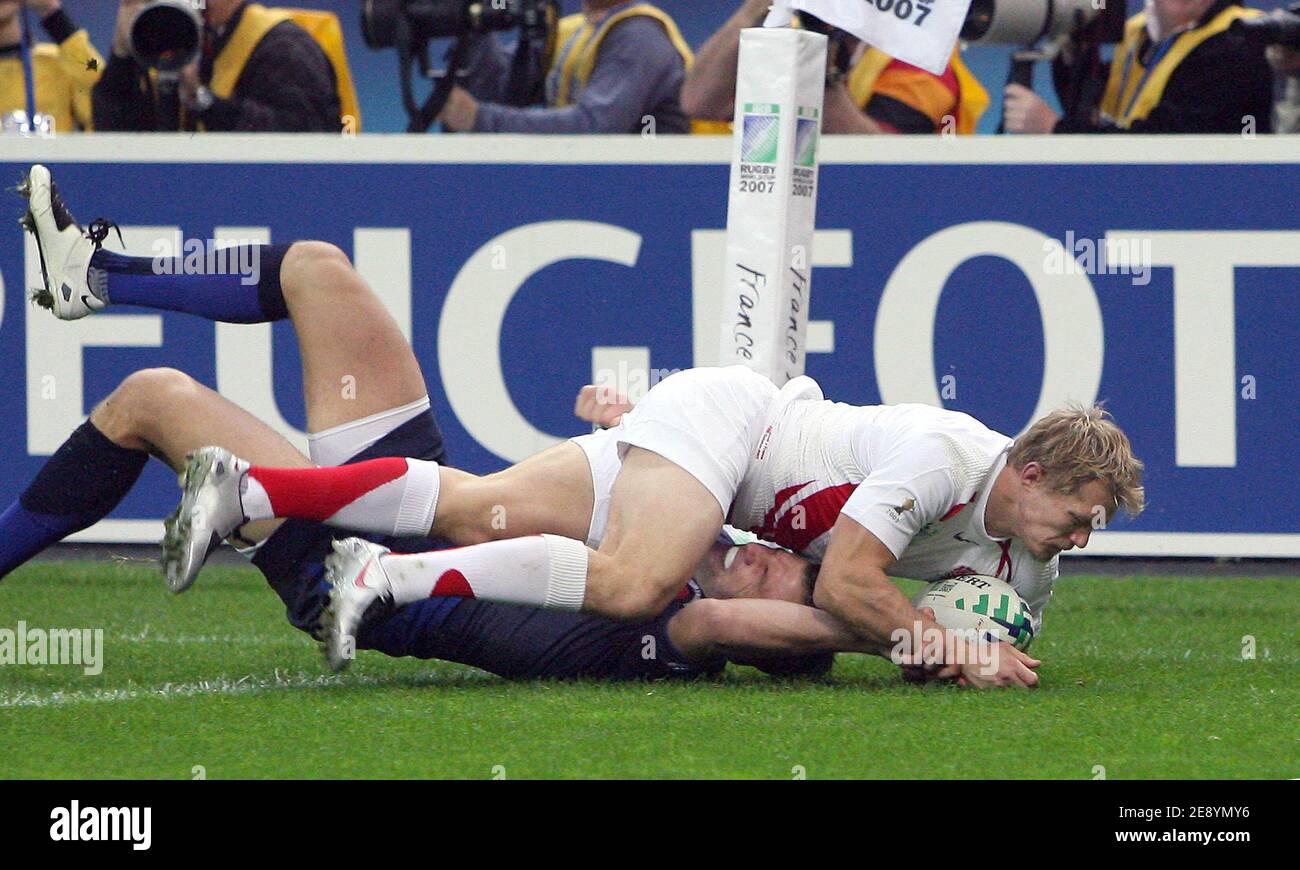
{"x":741,"y":629}
{"x":854,"y":586}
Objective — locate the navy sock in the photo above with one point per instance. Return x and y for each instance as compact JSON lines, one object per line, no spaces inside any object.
{"x":80,"y":485}
{"x":218,"y":289}
{"x":412,"y":630}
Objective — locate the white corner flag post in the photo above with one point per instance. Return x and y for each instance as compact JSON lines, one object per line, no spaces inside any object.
{"x":772,"y":205}
{"x":773,"y":201}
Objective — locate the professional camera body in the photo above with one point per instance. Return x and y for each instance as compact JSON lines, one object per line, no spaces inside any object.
{"x":410,"y":25}
{"x":1283,"y":28}
{"x":383,"y":22}
{"x":842,"y":48}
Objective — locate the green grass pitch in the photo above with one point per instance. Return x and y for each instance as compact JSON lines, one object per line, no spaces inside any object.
{"x":1142,"y":676}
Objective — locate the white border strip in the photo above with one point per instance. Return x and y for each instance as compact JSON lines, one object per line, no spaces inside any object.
{"x":120,"y":532}
{"x":532,"y":150}
{"x":1226,"y":545}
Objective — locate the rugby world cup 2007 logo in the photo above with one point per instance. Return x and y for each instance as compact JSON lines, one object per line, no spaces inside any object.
{"x":761,"y":132}
{"x":803,"y":176}
{"x":805,"y":137}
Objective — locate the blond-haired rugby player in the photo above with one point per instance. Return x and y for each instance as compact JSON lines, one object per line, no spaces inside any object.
{"x":912,"y":490}
{"x":867,"y":491}
{"x":909,"y":489}
{"x":745,"y":601}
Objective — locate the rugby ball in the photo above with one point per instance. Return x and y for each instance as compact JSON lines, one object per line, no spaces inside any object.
{"x":976,"y":601}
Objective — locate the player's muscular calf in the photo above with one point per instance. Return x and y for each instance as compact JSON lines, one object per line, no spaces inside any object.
{"x":549,"y":493}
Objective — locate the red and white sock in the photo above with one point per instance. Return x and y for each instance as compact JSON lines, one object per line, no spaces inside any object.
{"x":390,"y":496}
{"x":540,"y":570}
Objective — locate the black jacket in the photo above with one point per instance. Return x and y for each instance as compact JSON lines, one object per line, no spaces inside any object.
{"x":287,"y":86}
{"x":1217,"y":86}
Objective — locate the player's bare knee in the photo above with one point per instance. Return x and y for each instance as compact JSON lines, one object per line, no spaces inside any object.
{"x":148,"y":389}
{"x":308,"y":267}
{"x":140,"y":402}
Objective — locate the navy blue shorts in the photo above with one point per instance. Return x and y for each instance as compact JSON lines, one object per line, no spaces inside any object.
{"x":293,"y":558}
{"x":510,"y":641}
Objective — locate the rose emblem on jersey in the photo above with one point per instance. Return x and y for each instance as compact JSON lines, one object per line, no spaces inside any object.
{"x":896,"y":513}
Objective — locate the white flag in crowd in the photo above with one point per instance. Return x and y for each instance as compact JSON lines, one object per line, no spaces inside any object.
{"x":920,"y":32}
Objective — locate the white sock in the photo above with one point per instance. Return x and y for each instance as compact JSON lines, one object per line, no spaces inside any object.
{"x":386,"y":496}
{"x":255,"y":500}
{"x":403,"y":507}
{"x":541,"y":571}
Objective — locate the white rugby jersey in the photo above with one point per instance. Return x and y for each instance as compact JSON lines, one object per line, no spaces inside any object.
{"x":915,"y":476}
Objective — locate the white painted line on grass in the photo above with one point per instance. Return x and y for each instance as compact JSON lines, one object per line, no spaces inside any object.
{"x":146,"y":636}
{"x":245,"y":685}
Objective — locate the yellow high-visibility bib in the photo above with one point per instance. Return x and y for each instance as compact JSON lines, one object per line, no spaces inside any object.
{"x":256,"y":21}
{"x":1122,"y":101}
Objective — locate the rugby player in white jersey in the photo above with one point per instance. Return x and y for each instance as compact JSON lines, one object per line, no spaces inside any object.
{"x":909,"y":490}
{"x":746,"y":601}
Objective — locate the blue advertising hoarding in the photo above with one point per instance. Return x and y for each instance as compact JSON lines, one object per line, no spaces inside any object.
{"x":999,"y":277}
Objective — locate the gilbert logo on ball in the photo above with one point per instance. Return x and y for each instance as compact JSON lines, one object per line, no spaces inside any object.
{"x":977,"y":601}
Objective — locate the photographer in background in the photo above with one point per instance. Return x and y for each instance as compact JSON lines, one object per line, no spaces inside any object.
{"x":1285,"y":60}
{"x":63,"y":73}
{"x":1287,"y":108}
{"x":617,"y":67}
{"x":873,"y":93}
{"x":1177,"y":70}
{"x":256,"y":71}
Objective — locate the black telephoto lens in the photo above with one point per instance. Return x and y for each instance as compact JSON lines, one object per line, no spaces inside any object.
{"x":1283,"y":30}
{"x":165,"y":37}
{"x":379,"y":22}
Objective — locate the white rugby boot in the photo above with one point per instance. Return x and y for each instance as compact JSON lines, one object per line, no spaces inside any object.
{"x":211,"y":509}
{"x":73,"y":288}
{"x":357,"y":584}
